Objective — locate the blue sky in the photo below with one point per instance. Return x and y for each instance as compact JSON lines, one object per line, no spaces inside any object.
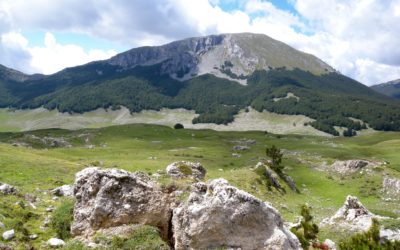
{"x":357,"y":37}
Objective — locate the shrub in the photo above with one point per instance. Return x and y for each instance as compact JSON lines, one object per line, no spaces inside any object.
{"x":368,"y":240}
{"x":62,"y":219}
{"x":307,"y":231}
{"x":144,"y":237}
{"x":178,"y":126}
{"x":276,"y":157}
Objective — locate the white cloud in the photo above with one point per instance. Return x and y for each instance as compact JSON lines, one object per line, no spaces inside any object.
{"x":361,"y":36}
{"x":48,"y":59}
{"x":54,"y":56}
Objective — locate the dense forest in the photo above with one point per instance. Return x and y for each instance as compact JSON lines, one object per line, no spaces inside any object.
{"x":330,"y":99}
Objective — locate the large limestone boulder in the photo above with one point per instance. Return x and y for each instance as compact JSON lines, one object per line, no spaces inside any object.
{"x":353,"y":215}
{"x":111,"y":197}
{"x":185,"y":169}
{"x":219,"y":215}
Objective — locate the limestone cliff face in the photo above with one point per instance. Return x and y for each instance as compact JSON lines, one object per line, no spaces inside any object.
{"x":231,"y":56}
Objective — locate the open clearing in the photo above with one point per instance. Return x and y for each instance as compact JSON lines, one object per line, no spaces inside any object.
{"x":24,"y":120}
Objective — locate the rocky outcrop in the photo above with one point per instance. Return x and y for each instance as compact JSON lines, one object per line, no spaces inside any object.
{"x":391,"y":186}
{"x":266,"y":171}
{"x":7,"y":189}
{"x":186,"y":169}
{"x":110,"y":198}
{"x":353,"y":215}
{"x":220,"y":215}
{"x":65,"y":190}
{"x":289,"y":180}
{"x":389,"y":235}
{"x":351,"y":166}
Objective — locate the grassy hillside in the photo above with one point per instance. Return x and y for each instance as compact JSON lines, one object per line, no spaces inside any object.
{"x":250,"y":119}
{"x":40,"y":160}
{"x":330,"y":99}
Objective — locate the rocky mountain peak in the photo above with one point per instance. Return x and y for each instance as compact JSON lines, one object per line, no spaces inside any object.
{"x":230,"y":56}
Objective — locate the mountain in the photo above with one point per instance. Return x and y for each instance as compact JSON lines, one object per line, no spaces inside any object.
{"x":391,"y":88}
{"x":214,"y":75}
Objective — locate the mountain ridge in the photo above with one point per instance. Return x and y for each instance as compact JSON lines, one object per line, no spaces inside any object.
{"x":216,"y":76}
{"x":391,"y":88}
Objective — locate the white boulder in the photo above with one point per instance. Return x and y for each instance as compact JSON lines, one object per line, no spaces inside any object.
{"x":220,"y":215}
{"x":65,"y":190}
{"x":54,"y":242}
{"x":8,"y":235}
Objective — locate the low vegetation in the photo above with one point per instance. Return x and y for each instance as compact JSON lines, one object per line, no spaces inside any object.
{"x":61,"y":219}
{"x":36,"y":168}
{"x":368,"y":240}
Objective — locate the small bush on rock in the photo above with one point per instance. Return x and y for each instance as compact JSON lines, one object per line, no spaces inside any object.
{"x":307,"y":231}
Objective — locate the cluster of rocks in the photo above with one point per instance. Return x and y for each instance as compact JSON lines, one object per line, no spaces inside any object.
{"x":243,"y":144}
{"x":47,"y":141}
{"x":351,"y":166}
{"x":216,"y":214}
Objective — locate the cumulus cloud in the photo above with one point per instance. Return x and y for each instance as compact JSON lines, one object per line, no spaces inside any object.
{"x":54,"y":56}
{"x":50,"y":58}
{"x":357,"y":37}
{"x":361,"y":36}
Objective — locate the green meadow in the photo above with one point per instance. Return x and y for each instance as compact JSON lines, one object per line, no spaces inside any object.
{"x":35,"y":164}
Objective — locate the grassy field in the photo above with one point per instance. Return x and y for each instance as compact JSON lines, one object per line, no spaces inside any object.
{"x":33,"y":163}
{"x":41,"y":118}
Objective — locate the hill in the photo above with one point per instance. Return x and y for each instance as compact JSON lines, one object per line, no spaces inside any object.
{"x":216,"y":76}
{"x":391,"y":88}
